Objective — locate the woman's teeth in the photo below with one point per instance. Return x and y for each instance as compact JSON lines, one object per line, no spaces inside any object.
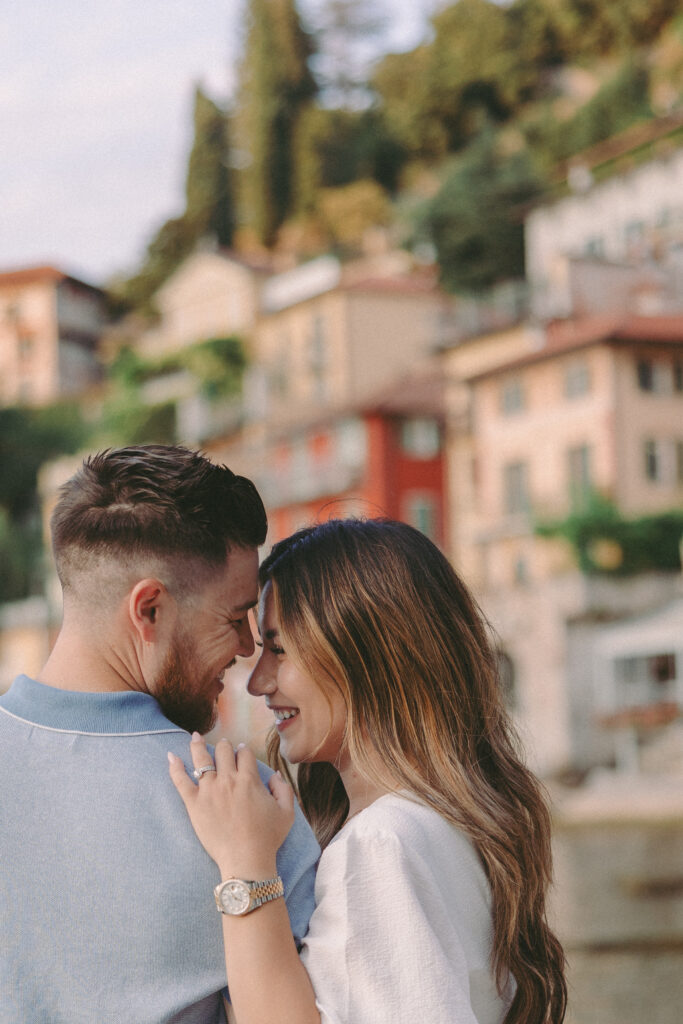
{"x":281,"y":715}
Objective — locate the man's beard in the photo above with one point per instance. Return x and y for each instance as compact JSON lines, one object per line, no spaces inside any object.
{"x":184,"y":706}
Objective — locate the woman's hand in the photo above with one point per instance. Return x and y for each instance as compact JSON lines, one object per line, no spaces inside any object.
{"x":239,"y":822}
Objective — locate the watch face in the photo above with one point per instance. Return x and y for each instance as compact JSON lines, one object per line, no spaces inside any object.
{"x":235,"y":897}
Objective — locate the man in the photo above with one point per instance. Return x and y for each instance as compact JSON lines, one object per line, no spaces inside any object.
{"x":106,"y":904}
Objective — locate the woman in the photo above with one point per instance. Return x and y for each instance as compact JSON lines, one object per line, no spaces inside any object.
{"x":431,"y":889}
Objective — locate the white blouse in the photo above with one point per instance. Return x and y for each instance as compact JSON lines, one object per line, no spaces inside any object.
{"x":402,"y":929}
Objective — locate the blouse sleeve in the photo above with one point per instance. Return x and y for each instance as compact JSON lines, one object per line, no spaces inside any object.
{"x":382,"y":948}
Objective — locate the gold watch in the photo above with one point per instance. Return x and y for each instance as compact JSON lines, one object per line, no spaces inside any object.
{"x":237,"y":897}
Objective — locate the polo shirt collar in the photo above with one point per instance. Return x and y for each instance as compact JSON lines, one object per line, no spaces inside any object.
{"x":123,"y":711}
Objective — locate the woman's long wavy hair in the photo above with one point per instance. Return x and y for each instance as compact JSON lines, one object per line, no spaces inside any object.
{"x":375,"y":607}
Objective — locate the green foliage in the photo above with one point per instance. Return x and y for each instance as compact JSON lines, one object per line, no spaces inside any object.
{"x":209,"y":210}
{"x":598,"y":27}
{"x":20,"y":552}
{"x":276,"y":87}
{"x":607,"y":543}
{"x":622,"y":100}
{"x":210,"y":206}
{"x":339,"y":147}
{"x":28,"y":438}
{"x":127,"y":419}
{"x":345,"y":32}
{"x":218,"y":364}
{"x":433,"y":98}
{"x":475,"y":220}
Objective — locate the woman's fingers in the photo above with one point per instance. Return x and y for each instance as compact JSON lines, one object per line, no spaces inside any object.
{"x":201,"y":758}
{"x":283,"y":793}
{"x":245,"y":760}
{"x":225,"y":757}
{"x":180,"y":778}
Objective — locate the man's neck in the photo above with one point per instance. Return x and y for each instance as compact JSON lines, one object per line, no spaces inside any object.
{"x":76,"y":664}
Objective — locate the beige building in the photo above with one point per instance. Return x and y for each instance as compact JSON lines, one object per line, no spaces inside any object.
{"x":50,"y":326}
{"x":328,"y":336}
{"x":581,"y":406}
{"x":212,"y":294}
{"x":618,"y":205}
{"x":538,"y":421}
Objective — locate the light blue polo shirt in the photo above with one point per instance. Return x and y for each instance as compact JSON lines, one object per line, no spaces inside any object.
{"x":107,"y":913}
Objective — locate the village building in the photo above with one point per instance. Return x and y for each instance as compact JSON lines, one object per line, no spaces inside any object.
{"x":50,"y":327}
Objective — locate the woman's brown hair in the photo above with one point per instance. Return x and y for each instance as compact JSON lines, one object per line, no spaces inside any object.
{"x":376,"y":607}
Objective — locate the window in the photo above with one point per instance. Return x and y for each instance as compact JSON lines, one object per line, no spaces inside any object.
{"x":656,"y":376}
{"x":317,"y":349}
{"x":279,"y":374}
{"x":646,"y":679}
{"x":634,"y":239}
{"x":652,"y":460}
{"x":516,"y":488}
{"x":579,"y":469}
{"x":645,"y":375}
{"x":420,"y":438}
{"x":577,"y":379}
{"x":663,"y":460}
{"x":512,"y":397}
{"x":317,"y":358}
{"x":421,"y":511}
{"x":25,"y":346}
{"x":351,"y":443}
{"x":595,"y":247}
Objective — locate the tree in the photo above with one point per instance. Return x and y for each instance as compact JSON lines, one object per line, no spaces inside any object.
{"x":276,"y":87}
{"x":209,"y":208}
{"x":475,"y":220}
{"x":348,"y":34}
{"x":28,"y":437}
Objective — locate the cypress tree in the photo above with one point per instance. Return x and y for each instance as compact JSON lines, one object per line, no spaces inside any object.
{"x":276,"y":86}
{"x":209,"y":201}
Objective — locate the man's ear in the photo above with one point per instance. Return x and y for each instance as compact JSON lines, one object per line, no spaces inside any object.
{"x":148,"y":607}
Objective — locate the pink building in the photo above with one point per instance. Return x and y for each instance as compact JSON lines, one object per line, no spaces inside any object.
{"x":50,"y":326}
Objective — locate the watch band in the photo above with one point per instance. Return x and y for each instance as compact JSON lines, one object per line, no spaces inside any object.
{"x":264,"y":892}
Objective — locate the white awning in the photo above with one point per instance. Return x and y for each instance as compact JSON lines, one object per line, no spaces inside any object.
{"x":660,"y":632}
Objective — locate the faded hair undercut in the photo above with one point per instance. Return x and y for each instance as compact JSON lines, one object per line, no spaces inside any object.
{"x":163,"y":502}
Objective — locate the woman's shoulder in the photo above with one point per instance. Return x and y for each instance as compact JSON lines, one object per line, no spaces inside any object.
{"x":402,"y":838}
{"x":401,"y":812}
{"x":402,"y":820}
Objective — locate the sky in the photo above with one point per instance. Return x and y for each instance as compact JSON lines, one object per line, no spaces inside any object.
{"x":96,"y":119}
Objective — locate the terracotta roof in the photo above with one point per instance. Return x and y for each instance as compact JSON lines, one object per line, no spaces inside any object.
{"x":420,"y":393}
{"x":34,"y":275}
{"x":29,"y":275}
{"x":563,"y":336}
{"x":625,"y":142}
{"x":258,"y":262}
{"x":413,"y":284}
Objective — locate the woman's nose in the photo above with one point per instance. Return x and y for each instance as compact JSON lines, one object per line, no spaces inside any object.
{"x":261,"y":680}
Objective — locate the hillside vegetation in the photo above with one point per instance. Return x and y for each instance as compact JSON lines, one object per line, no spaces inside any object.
{"x":441,"y":144}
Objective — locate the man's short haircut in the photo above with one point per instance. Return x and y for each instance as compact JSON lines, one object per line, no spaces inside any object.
{"x":162,"y":502}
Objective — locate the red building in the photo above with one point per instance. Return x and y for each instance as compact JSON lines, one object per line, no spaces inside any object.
{"x":381,"y":458}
